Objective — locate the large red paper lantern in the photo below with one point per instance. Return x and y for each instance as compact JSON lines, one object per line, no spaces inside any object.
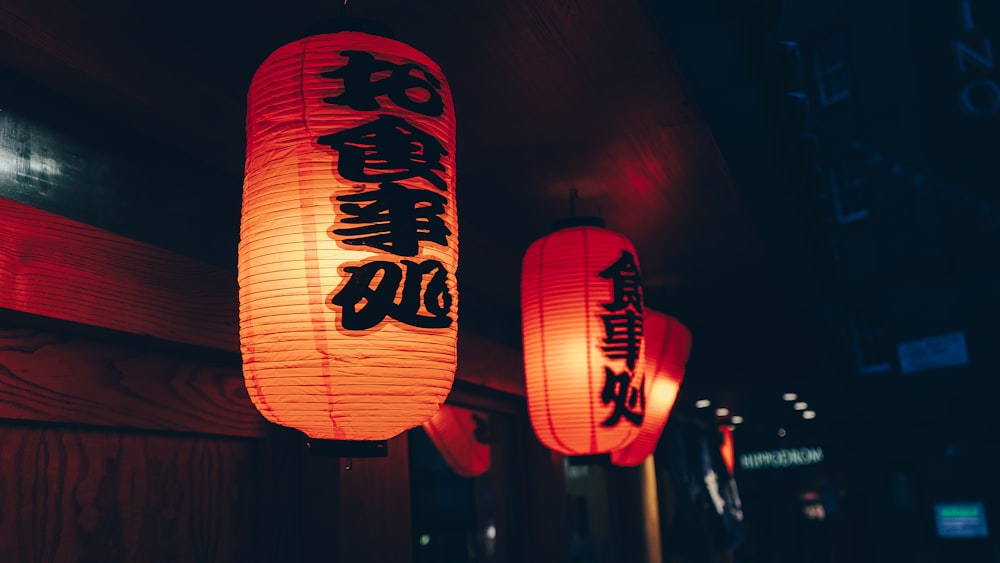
{"x":582,"y":324}
{"x":348,"y":240}
{"x":462,"y":437}
{"x":668,"y":345}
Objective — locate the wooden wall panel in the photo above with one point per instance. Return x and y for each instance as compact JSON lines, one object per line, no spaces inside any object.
{"x":542,"y":503}
{"x":90,"y":496}
{"x":374,"y":507}
{"x":48,"y":377}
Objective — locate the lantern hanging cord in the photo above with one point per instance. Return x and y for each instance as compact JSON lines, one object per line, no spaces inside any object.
{"x":574,"y":194}
{"x":343,"y":8}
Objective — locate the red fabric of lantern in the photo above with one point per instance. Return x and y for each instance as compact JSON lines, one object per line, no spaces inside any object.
{"x":668,"y":345}
{"x":462,"y":437}
{"x":348,"y":239}
{"x":581,"y":313}
{"x":728,"y":449}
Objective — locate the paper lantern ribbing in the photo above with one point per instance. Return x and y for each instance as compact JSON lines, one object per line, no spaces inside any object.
{"x":348,"y":240}
{"x":668,"y":345}
{"x":582,"y":325}
{"x":462,"y":437}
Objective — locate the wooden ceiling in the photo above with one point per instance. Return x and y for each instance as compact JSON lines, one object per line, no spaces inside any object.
{"x":550,"y":95}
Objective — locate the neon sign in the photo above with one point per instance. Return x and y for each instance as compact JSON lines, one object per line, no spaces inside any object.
{"x":777,"y":459}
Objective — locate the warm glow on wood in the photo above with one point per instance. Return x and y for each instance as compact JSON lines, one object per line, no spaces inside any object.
{"x":462,"y":436}
{"x":668,"y":345}
{"x":581,"y":313}
{"x":348,"y":242}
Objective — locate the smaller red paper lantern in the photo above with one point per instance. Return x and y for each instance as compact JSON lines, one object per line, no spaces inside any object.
{"x":668,"y":345}
{"x":582,"y":324}
{"x":462,"y":437}
{"x":728,"y":449}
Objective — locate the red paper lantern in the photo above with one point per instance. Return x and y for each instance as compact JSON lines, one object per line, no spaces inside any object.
{"x":462,"y":437}
{"x":582,"y":323}
{"x":348,"y":240}
{"x":728,"y":449}
{"x":668,"y":345}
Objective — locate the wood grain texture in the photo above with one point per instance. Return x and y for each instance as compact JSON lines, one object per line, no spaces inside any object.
{"x":489,"y":363}
{"x":49,"y":377}
{"x":56,"y":267}
{"x":374,"y":507}
{"x":82,"y":496}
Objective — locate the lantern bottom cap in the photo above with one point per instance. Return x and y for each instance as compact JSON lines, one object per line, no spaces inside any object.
{"x":347,"y":448}
{"x":598,"y":460}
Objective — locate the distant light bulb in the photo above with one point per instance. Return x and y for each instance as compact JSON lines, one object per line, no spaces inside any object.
{"x":491,"y":532}
{"x":425,"y":539}
{"x":808,"y":414}
{"x":782,"y":433}
{"x":737,"y":419}
{"x":801,"y":406}
{"x":789,"y":396}
{"x":702,"y":403}
{"x":722,"y":411}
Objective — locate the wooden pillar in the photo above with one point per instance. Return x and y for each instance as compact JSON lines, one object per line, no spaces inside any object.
{"x":650,"y":511}
{"x":374,"y":507}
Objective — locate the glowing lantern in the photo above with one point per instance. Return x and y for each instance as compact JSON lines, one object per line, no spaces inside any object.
{"x":462,"y":437}
{"x":348,"y":240}
{"x":582,"y":324}
{"x":668,"y":345}
{"x":727,"y":449}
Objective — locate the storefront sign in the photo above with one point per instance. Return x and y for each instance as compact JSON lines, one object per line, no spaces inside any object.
{"x":946,"y":350}
{"x":979,"y":94}
{"x":775,"y":459}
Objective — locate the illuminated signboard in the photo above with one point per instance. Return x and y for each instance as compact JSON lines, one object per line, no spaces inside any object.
{"x":960,"y":520}
{"x":943,"y":351}
{"x":777,"y":459}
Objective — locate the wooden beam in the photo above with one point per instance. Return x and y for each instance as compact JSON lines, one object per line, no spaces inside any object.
{"x":59,"y":268}
{"x":56,"y":267}
{"x":48,"y":377}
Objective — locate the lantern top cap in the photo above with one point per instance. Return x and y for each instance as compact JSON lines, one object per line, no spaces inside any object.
{"x":581,"y":221}
{"x":345,"y":23}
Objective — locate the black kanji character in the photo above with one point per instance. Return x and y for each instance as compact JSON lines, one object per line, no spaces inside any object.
{"x":436,"y":298}
{"x":395,"y":221}
{"x":380,"y":301}
{"x":387,"y":149}
{"x":626,"y":397}
{"x":627,"y":285}
{"x":623,"y":336}
{"x":360,"y":90}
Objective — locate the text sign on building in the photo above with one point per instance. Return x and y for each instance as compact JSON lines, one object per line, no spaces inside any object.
{"x":979,"y":91}
{"x":943,"y":351}
{"x":961,"y":520}
{"x":956,"y":56}
{"x":777,"y":459}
